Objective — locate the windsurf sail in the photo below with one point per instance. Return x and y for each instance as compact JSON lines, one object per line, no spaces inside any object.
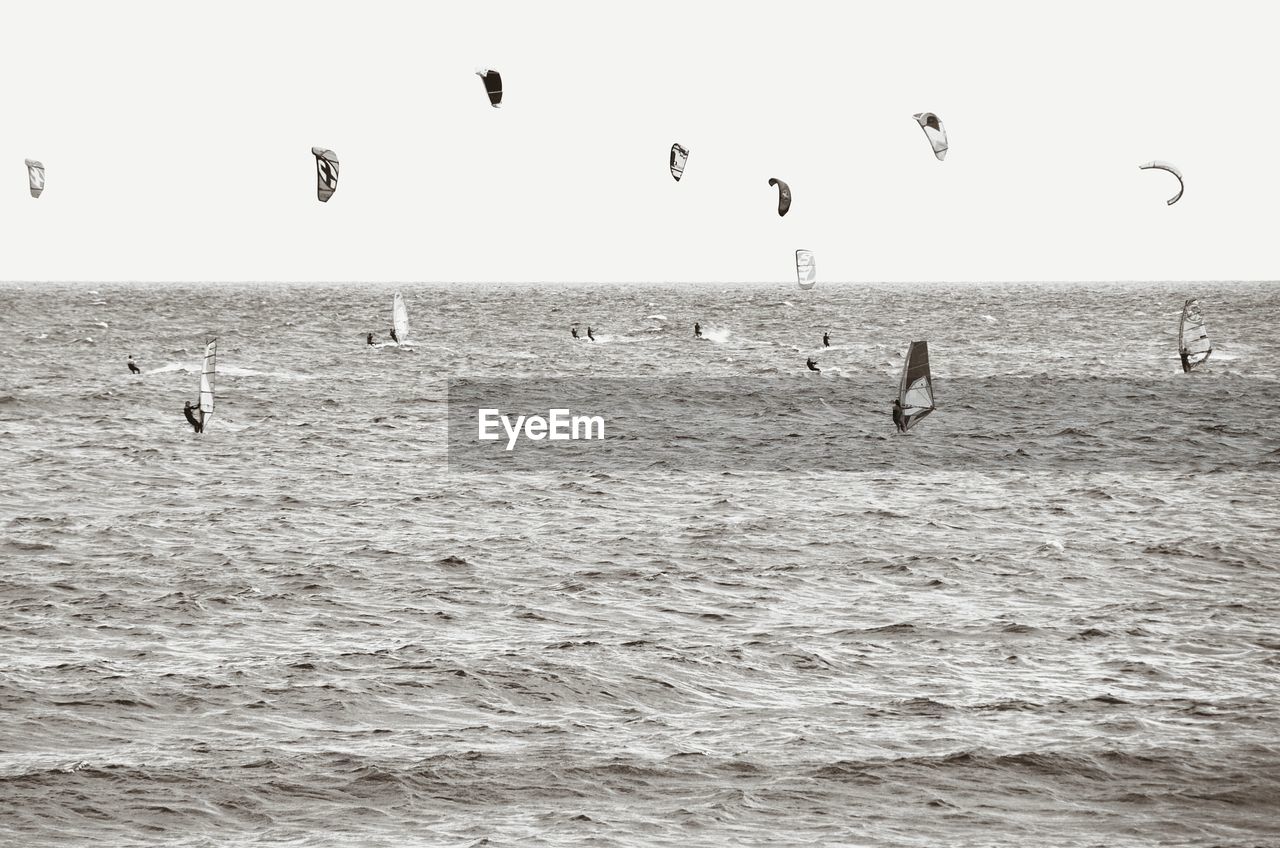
{"x":326,"y":173}
{"x":400,"y":318}
{"x":35,"y":177}
{"x":935,"y":132}
{"x":679,"y":155}
{"x":206,"y":380}
{"x":784,"y":195}
{"x":806,"y":269}
{"x":1165,"y":166}
{"x":1193,"y":337}
{"x":915,"y":392}
{"x":492,"y":84}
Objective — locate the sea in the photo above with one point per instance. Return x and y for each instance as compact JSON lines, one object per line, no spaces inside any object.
{"x":1045,"y":616}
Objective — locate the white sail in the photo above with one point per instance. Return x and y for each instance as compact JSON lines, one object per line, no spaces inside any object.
{"x":35,"y":177}
{"x":806,"y":269}
{"x":400,"y":318}
{"x":1193,"y":336}
{"x":206,"y":379}
{"x":915,"y":392}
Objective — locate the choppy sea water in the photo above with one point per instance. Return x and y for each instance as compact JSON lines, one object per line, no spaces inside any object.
{"x":305,"y":628}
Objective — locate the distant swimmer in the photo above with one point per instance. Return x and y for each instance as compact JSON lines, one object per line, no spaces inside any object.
{"x":393,"y":336}
{"x":697,"y":330}
{"x":897,"y":416}
{"x":190,"y":411}
{"x":368,"y":339}
{"x":133,"y":366}
{"x":813,"y":366}
{"x":574,"y":330}
{"x":826,"y":340}
{"x":590,"y":335}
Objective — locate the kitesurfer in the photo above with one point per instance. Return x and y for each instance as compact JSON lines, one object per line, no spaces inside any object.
{"x":393,"y":336}
{"x":697,"y":330}
{"x":590,"y":335}
{"x":574,"y":330}
{"x":133,"y":366}
{"x":897,"y":416}
{"x":813,"y":366}
{"x":368,"y":339}
{"x":197,"y":424}
{"x":826,"y":340}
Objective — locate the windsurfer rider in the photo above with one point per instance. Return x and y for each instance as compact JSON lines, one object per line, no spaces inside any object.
{"x":197,"y":424}
{"x":897,"y":416}
{"x":133,"y":366}
{"x":1186,"y":362}
{"x":813,"y":366}
{"x":393,"y":336}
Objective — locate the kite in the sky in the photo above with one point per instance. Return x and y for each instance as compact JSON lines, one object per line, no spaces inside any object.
{"x":935,"y":132}
{"x":326,"y":173}
{"x":1165,"y":166}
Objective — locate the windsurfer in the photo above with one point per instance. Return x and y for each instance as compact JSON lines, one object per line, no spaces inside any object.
{"x":1186,"y":362}
{"x":393,"y":336}
{"x":897,"y":416}
{"x":197,"y":424}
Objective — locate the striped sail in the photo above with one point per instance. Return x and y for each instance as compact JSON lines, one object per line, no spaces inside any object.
{"x":1193,"y":336}
{"x":206,"y":379}
{"x":915,"y":392}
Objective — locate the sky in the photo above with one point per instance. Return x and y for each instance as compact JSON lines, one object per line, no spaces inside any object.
{"x":176,"y":138}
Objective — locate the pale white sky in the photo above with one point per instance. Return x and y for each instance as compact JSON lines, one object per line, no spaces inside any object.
{"x":177,"y":136}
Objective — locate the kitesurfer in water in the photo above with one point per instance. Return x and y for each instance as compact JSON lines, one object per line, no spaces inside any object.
{"x":590,"y":335}
{"x":133,"y":366}
{"x":368,"y":339}
{"x":393,"y":336}
{"x":190,"y":411}
{"x":574,"y":330}
{"x":826,"y":340}
{"x":697,"y":330}
{"x":897,"y":416}
{"x":813,"y":366}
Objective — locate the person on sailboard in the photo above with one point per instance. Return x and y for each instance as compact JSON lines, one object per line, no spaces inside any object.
{"x":590,"y":334}
{"x":574,"y":330}
{"x":133,"y":366}
{"x":826,"y":340}
{"x":368,"y":339}
{"x":197,"y":424}
{"x":898,"y":420}
{"x":813,"y":366}
{"x":697,"y":330}
{"x":393,"y":336}
{"x":1186,"y":362}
